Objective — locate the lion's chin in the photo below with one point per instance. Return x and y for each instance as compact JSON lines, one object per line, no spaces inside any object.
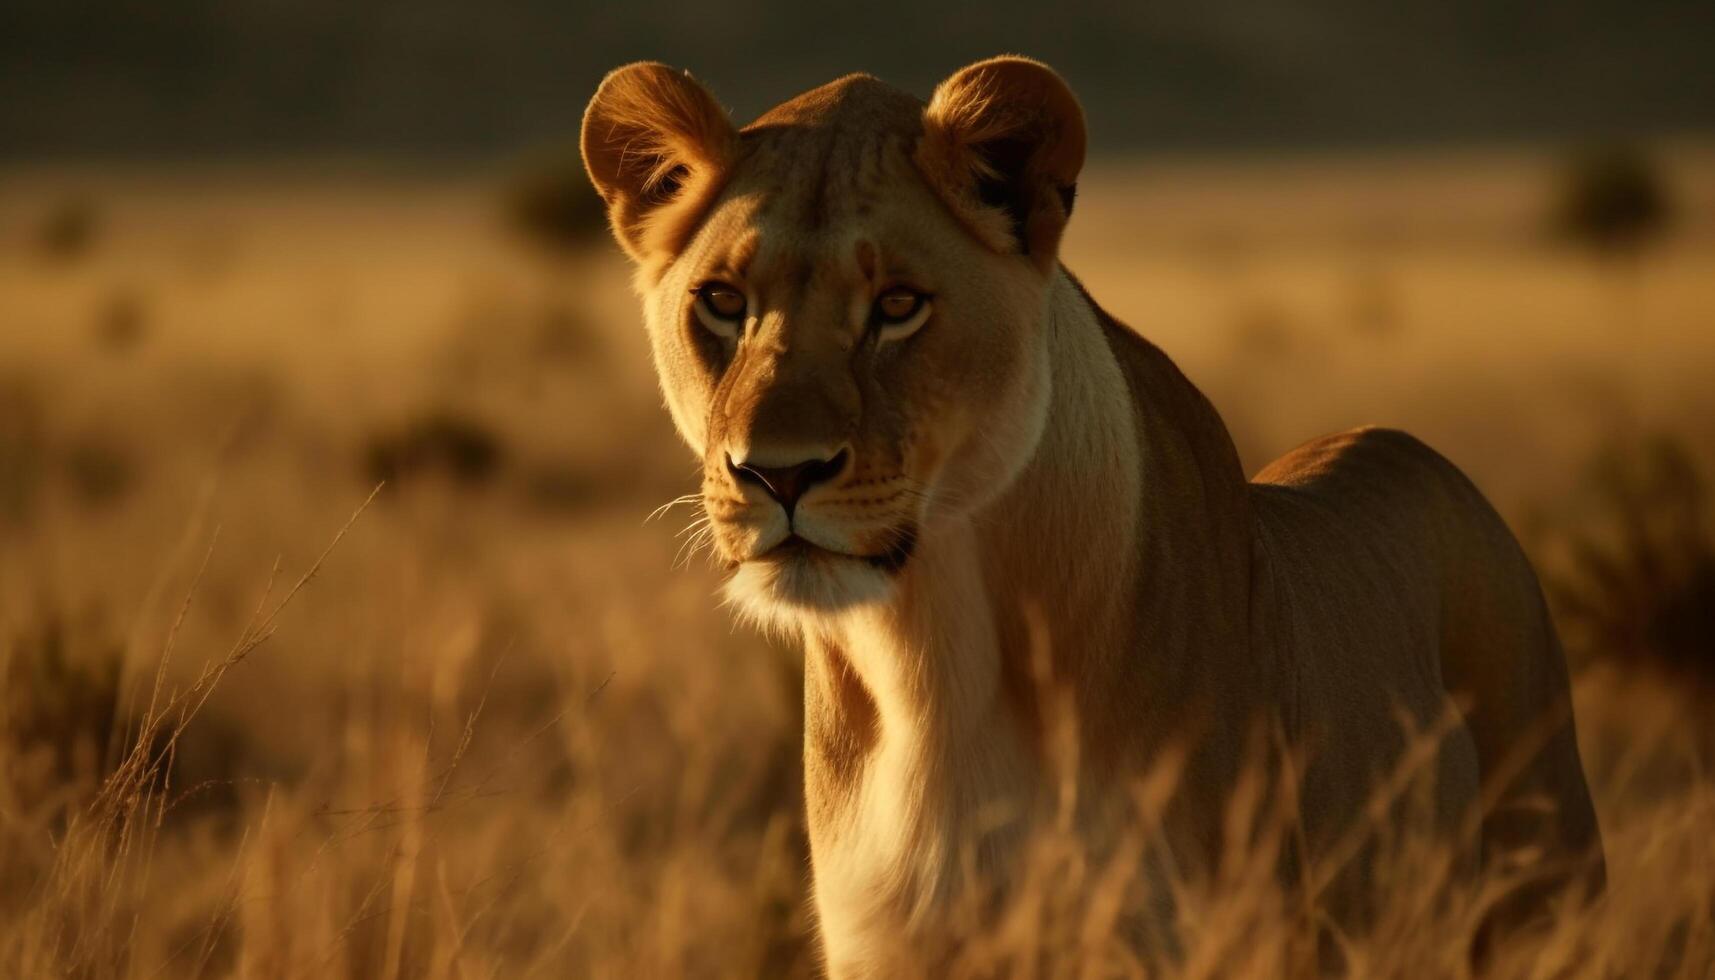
{"x":797,"y":581}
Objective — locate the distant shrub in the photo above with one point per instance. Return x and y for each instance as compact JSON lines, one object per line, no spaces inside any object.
{"x":92,"y":468}
{"x":98,"y":471}
{"x":439,"y":442}
{"x":23,"y":449}
{"x":1614,"y":200}
{"x":549,"y":202}
{"x":60,"y":701}
{"x":1630,"y":568}
{"x":69,"y":229}
{"x":121,"y":321}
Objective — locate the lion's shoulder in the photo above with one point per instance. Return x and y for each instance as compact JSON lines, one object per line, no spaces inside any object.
{"x":1361,"y":454}
{"x":1336,"y":504}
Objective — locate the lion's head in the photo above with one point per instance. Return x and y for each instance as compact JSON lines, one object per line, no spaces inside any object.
{"x":847,"y":304}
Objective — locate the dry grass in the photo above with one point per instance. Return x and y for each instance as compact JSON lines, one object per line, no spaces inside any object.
{"x":498,"y":734}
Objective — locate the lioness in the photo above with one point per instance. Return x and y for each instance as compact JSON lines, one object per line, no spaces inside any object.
{"x":931,"y":455}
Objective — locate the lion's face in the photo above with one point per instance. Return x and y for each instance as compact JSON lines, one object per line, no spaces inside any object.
{"x":847,"y":381}
{"x":856,"y":352}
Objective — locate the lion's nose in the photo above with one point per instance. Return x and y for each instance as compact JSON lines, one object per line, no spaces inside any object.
{"x":788,"y":483}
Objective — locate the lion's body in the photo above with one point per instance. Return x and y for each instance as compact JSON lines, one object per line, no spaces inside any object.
{"x":1030,"y":569}
{"x":1345,"y":598}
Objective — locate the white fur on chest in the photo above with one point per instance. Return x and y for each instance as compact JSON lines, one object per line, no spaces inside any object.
{"x":945,"y":783}
{"x":889,"y":867}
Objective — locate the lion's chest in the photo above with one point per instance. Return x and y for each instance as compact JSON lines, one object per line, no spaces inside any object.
{"x":891,"y":843}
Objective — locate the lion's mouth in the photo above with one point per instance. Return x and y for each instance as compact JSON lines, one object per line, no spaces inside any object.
{"x":796,"y":548}
{"x":798,"y":574}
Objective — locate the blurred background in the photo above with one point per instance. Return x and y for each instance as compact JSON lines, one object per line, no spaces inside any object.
{"x":258,"y":258}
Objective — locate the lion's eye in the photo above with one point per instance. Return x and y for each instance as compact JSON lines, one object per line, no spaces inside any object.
{"x":898,"y":312}
{"x":722,"y":301}
{"x":897,"y":305}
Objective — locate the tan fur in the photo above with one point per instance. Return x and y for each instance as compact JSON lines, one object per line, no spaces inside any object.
{"x":1043,"y":519}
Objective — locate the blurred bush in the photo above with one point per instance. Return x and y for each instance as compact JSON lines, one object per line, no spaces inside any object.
{"x":549,"y":203}
{"x":1629,"y":563}
{"x":98,"y":470}
{"x":59,"y":708}
{"x":1613,"y":199}
{"x":94,"y":469}
{"x":437,"y":442}
{"x":23,"y":448}
{"x":121,"y":321}
{"x":69,"y":229}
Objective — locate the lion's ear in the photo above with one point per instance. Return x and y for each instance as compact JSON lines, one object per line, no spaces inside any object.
{"x":1003,"y":144}
{"x":657,"y":147}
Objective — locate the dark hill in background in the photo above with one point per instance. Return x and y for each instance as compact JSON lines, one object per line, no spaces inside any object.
{"x":437,"y":78}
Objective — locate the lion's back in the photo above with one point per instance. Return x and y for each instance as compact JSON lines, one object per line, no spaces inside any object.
{"x":1377,"y":511}
{"x":1381,"y":495}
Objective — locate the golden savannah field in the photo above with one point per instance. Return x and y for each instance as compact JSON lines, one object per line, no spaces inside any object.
{"x":505,"y":729}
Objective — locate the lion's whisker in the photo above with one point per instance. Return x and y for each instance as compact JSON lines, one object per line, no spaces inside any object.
{"x":700,"y":522}
{"x":696,"y":542}
{"x":669,"y":505}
